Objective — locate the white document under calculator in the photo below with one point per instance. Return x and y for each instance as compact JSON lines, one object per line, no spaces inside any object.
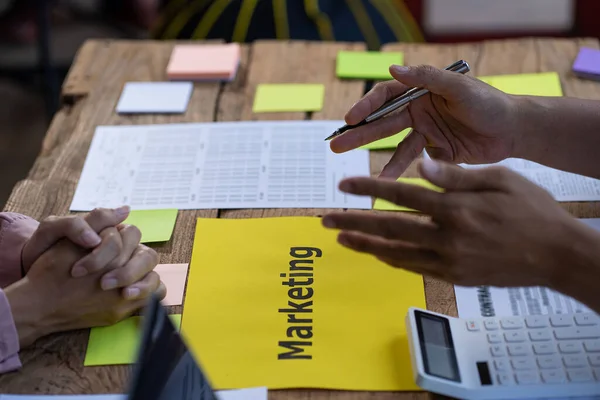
{"x":218,"y":165}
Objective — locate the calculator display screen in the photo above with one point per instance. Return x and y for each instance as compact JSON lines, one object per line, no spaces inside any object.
{"x":437,"y":347}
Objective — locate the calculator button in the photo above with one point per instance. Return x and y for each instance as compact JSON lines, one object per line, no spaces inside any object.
{"x":490,"y":324}
{"x":528,"y":377}
{"x":575,"y":361}
{"x":592,"y":346}
{"x":595,"y":360}
{"x":511,"y":323}
{"x":544,"y":348}
{"x":498,"y":350}
{"x":580,"y":375}
{"x":519,"y":350}
{"x":523,"y":363}
{"x":505,"y":379}
{"x":561,"y":320}
{"x":569,"y":347}
{"x":586,"y":319}
{"x":549,"y":362}
{"x":515,"y":336}
{"x":494,"y":337}
{"x":536,"y":321}
{"x":502,"y":364}
{"x":539,"y":335}
{"x":583,"y":332}
{"x":554,"y":376}
{"x":473,"y":325}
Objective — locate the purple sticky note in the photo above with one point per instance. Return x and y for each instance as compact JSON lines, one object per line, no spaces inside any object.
{"x":587,"y":64}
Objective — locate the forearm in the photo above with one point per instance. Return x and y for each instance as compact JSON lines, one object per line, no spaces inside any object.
{"x":559,"y":132}
{"x":9,"y":339}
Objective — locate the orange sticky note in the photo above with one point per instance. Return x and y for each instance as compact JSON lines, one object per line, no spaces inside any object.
{"x":174,"y":277}
{"x":204,"y":62}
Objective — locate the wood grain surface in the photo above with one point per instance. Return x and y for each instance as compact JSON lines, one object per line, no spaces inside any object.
{"x":54,"y":365}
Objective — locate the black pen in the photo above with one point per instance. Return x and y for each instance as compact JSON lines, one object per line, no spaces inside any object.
{"x":400,"y":101}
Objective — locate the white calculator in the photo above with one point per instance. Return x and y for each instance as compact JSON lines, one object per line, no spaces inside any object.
{"x":541,"y":356}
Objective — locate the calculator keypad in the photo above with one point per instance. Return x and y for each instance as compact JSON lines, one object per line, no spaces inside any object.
{"x":540,"y":349}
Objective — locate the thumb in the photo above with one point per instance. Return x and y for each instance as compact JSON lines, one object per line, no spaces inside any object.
{"x":453,"y":177}
{"x":437,"y":81}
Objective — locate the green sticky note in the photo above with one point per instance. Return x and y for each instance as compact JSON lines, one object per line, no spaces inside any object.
{"x":385,"y":205}
{"x":288,"y":97}
{"x":542,"y":84}
{"x":118,"y":344}
{"x":366,"y":64}
{"x":387,"y":143}
{"x":155,"y":225}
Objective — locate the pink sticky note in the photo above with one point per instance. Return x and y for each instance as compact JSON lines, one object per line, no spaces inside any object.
{"x":174,"y":277}
{"x":204,"y":62}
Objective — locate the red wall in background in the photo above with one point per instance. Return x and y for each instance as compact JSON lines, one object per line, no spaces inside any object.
{"x":587,"y":15}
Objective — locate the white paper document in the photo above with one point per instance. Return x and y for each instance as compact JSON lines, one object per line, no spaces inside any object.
{"x":218,"y":165}
{"x":563,"y":186}
{"x":240,"y":394}
{"x":155,"y":97}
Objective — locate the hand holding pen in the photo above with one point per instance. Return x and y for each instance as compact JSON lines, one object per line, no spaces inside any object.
{"x":460,"y":120}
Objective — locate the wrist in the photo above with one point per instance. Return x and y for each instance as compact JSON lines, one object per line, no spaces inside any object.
{"x":576,"y":271}
{"x":26,"y":311}
{"x":528,"y":114}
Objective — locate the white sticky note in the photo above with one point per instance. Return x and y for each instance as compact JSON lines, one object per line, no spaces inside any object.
{"x":155,"y":97}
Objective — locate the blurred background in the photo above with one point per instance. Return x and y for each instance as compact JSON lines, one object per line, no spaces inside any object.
{"x":39,"y":38}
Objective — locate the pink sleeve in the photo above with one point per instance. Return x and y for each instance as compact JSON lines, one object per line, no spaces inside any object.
{"x":9,"y":338}
{"x":15,"y":230}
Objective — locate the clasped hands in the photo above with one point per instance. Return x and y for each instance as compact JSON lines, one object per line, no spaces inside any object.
{"x":82,"y":271}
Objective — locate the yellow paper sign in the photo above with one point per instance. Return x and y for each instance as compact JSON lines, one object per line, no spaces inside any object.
{"x":387,"y":143}
{"x":385,"y":205}
{"x":277,"y":302}
{"x":542,"y":84}
{"x":288,"y":97}
{"x":117,"y":344}
{"x":155,"y":225}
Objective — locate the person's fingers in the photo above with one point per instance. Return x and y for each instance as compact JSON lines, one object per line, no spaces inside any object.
{"x":406,"y":152}
{"x":402,"y":194}
{"x":143,"y":261}
{"x":423,"y":234}
{"x":371,"y":132}
{"x":109,"y":249}
{"x":130,"y":236}
{"x":376,"y":97}
{"x":453,"y":177}
{"x":81,"y":230}
{"x":102,"y":218}
{"x":142,"y":288}
{"x":161,"y":292}
{"x":437,"y":81}
{"x":404,"y":256}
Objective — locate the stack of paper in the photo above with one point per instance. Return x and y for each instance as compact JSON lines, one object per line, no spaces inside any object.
{"x":587,"y":64}
{"x":204,"y":62}
{"x":259,"y":393}
{"x":288,"y":97}
{"x":218,"y":165}
{"x":155,"y":97}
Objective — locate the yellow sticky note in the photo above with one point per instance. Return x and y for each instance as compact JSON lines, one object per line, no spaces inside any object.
{"x":366,"y":64}
{"x":277,"y":302}
{"x":155,"y":225}
{"x":117,"y":344}
{"x":541,"y":84}
{"x":385,"y":205}
{"x":288,"y":97}
{"x":387,"y":143}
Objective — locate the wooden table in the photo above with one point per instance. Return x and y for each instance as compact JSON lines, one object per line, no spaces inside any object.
{"x":55,"y":364}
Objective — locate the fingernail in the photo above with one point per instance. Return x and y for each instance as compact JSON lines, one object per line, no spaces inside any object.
{"x":90,"y":238}
{"x":399,"y":68}
{"x":122,"y":211}
{"x":328,"y":222}
{"x":345,"y":186}
{"x":109,"y":283}
{"x":430,"y":166}
{"x":132,"y":293}
{"x":343,"y":240}
{"x":78,"y":272}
